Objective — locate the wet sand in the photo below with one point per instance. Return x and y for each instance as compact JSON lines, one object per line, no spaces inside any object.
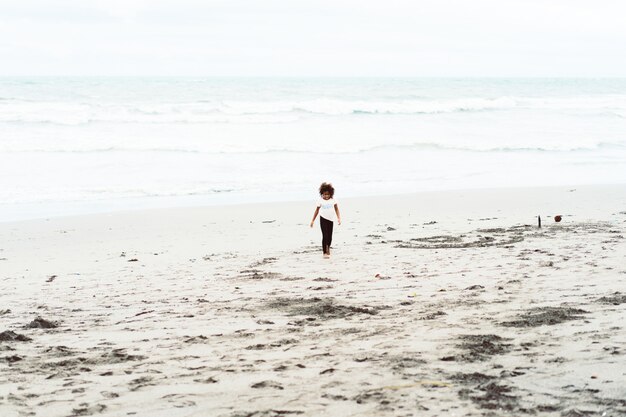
{"x":451,"y":303}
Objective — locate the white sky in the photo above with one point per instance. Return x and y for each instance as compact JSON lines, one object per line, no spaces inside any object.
{"x":313,"y":37}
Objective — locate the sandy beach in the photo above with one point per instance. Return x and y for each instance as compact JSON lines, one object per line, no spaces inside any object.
{"x":433,"y":304}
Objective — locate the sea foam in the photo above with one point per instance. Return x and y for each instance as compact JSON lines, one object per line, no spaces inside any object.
{"x":65,"y":140}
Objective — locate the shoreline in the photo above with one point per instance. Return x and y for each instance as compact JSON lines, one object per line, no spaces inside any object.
{"x":200,"y":203}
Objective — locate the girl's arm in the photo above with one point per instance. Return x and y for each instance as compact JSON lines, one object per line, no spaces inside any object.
{"x":317,"y":210}
{"x":338,"y":215}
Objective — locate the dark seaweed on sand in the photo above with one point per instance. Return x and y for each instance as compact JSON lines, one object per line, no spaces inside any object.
{"x":545,"y":316}
{"x":616,"y":298}
{"x":472,"y":378}
{"x":479,"y":347}
{"x":492,"y":396}
{"x":41,"y":323}
{"x":322,"y":308}
{"x":267,"y":413}
{"x":476,"y":239}
{"x":257,"y":274}
{"x":11,"y":336}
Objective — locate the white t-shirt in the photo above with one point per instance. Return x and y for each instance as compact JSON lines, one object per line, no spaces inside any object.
{"x":327,"y":208}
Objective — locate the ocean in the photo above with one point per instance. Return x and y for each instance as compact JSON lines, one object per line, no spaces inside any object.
{"x":74,"y":145}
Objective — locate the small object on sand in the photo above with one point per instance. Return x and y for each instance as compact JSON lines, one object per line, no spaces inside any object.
{"x":133,"y":260}
{"x":51,"y":278}
{"x":557,"y":218}
{"x":539,"y":221}
{"x":594,"y":376}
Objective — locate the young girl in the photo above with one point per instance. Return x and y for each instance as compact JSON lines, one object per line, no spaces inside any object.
{"x":327,"y":209}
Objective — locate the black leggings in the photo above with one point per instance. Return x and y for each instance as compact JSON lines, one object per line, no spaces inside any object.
{"x":327,"y":234}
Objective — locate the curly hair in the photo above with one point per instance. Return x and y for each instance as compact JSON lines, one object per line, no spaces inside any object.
{"x":327,"y":187}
